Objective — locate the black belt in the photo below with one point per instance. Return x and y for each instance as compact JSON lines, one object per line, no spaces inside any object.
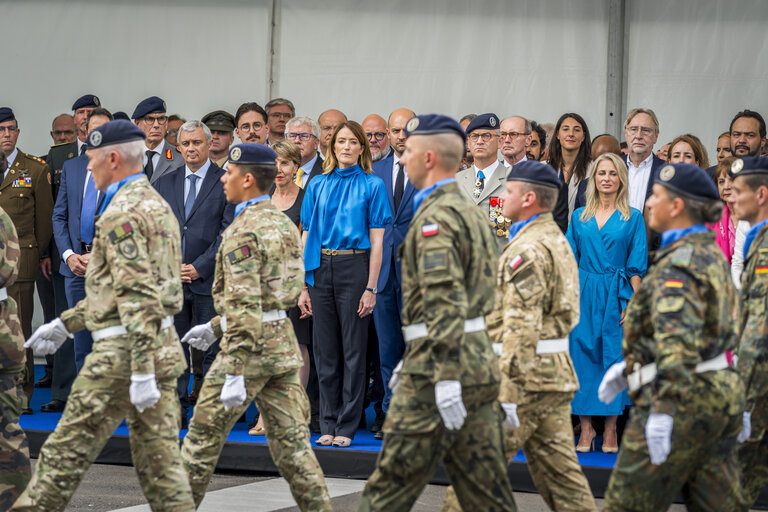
{"x":85,"y":247}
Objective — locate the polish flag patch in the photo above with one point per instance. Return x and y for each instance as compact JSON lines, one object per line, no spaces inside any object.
{"x":429,"y":230}
{"x":516,"y":262}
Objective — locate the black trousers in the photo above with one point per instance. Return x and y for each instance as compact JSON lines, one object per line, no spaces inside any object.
{"x":340,"y":341}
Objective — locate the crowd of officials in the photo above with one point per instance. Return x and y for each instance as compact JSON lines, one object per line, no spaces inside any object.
{"x":348,"y":318}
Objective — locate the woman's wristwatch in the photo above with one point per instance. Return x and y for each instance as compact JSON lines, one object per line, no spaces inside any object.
{"x":373,"y":290}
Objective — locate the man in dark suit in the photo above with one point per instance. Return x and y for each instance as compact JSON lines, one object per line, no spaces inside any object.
{"x":73,"y":228}
{"x":159,"y":156}
{"x":196,"y":196}
{"x":305,"y":133}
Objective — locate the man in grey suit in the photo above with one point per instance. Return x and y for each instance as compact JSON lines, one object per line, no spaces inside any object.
{"x":159,"y":156}
{"x":484,"y":182}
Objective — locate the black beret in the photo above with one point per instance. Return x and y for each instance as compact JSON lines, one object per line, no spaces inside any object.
{"x":533,"y":171}
{"x":431,"y":124}
{"x":219,"y":120}
{"x":252,"y":154}
{"x":749,"y":165}
{"x":687,"y":180}
{"x":121,"y":115}
{"x":6,"y":114}
{"x":489,"y":121}
{"x":87,"y":101}
{"x":151,"y":105}
{"x":114,"y":132}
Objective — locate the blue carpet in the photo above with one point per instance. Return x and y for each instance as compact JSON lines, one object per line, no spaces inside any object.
{"x":363,"y":441}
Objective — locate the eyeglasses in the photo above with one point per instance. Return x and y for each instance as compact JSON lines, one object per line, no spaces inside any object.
{"x":301,"y":136}
{"x":379,"y":136}
{"x":253,"y":127}
{"x":486,"y":136}
{"x":59,"y":133}
{"x":511,"y":135}
{"x":150,"y":120}
{"x":645,"y":130}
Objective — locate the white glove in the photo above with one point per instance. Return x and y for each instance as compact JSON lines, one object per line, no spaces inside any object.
{"x":658,"y":436}
{"x":48,"y":337}
{"x":143,"y":391}
{"x":394,"y":380}
{"x":449,"y":404}
{"x":613,"y":383}
{"x":200,"y":336}
{"x":233,"y":391}
{"x":497,"y":348}
{"x":746,"y":429}
{"x":511,"y":422}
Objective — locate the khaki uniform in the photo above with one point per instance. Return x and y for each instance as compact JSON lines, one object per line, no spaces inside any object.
{"x":259,"y":269}
{"x":489,"y":201}
{"x":682,"y":315}
{"x":134,"y":280}
{"x":14,"y":447}
{"x":537,"y":298}
{"x":448,"y":260}
{"x":25,"y":195}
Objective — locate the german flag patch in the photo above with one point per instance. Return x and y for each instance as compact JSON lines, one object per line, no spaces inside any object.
{"x":120,"y":233}
{"x":761,"y":270}
{"x":241,"y":253}
{"x":673,"y":283}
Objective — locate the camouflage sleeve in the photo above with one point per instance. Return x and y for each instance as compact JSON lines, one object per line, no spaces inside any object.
{"x":74,"y":318}
{"x":677,"y":313}
{"x":217,"y":291}
{"x":9,"y":251}
{"x":752,"y":346}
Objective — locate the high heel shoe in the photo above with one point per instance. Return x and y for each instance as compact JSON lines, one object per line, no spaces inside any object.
{"x":586,"y":449}
{"x":612,"y":447}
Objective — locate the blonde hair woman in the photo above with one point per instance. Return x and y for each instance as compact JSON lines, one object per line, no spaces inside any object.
{"x":609,"y":243}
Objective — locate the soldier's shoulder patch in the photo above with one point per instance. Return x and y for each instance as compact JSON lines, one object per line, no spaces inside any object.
{"x":670,"y":304}
{"x":515,"y":262}
{"x":682,"y":256}
{"x":241,"y":253}
{"x":429,"y":229}
{"x":436,"y":260}
{"x":168,"y":154}
{"x":127,"y":247}
{"x":762,"y":269}
{"x":673,"y":283}
{"x":120,"y":233}
{"x":49,"y":178}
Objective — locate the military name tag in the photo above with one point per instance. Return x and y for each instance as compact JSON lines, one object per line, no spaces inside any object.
{"x":120,"y":233}
{"x":239,"y":254}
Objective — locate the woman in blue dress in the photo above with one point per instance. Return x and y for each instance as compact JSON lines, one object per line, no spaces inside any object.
{"x":609,"y":242}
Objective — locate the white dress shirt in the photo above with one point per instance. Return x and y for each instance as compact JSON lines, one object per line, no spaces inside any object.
{"x":395,"y":168}
{"x":638,"y":182}
{"x":488,"y":171}
{"x":156,"y":157}
{"x":509,"y":166}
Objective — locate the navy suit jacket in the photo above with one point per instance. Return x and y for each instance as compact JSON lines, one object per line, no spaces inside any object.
{"x":66,"y":211}
{"x":210,"y":215}
{"x":317,"y":168}
{"x":395,"y":231}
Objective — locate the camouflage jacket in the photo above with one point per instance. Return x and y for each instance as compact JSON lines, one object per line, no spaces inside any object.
{"x":12,"y":354}
{"x":259,"y":268}
{"x":537,"y":298}
{"x":682,"y":315}
{"x":134,"y":277}
{"x":448,"y":261}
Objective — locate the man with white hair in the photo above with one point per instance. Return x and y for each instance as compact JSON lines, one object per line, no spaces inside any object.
{"x":305,"y":133}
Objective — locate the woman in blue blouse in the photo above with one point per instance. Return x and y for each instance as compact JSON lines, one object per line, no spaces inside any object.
{"x":343,"y":217}
{"x":609,"y":243}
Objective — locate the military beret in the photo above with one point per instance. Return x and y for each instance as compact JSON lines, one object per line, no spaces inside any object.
{"x":489,"y":121}
{"x":252,"y":154}
{"x":120,"y":115}
{"x":533,"y":171}
{"x":87,"y":101}
{"x":6,"y":114}
{"x":431,"y":124}
{"x":151,"y":105}
{"x":219,"y":120}
{"x":687,"y":180}
{"x":114,"y":132}
{"x":749,"y":165}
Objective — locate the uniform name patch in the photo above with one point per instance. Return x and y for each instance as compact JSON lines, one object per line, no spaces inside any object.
{"x":120,"y":233}
{"x":761,"y":270}
{"x":436,"y":260}
{"x":673,"y":283}
{"x":239,"y":254}
{"x":168,"y":154}
{"x":429,"y":230}
{"x":516,"y":262}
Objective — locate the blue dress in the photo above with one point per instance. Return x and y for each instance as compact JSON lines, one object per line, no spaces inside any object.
{"x":607,"y":258}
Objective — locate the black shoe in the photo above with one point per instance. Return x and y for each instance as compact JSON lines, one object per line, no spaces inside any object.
{"x":242,"y":419}
{"x":45,"y":382}
{"x":379,"y":435}
{"x":378,"y":422}
{"x":314,"y":426}
{"x":54,"y":406}
{"x":27,"y":410}
{"x":184,"y":421}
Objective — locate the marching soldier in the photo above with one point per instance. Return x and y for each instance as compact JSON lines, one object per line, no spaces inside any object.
{"x":679,"y":339}
{"x":445,"y":407}
{"x":259,"y":275}
{"x":133,"y":289}
{"x":537,"y":306}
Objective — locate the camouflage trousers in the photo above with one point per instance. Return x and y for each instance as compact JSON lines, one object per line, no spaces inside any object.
{"x":753,"y":459}
{"x":96,"y":406}
{"x":284,"y":406}
{"x":415,"y":442}
{"x":702,"y":465}
{"x":14,"y":447}
{"x":546,"y":437}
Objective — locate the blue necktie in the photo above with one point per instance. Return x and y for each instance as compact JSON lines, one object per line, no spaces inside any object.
{"x":479,"y":185}
{"x":190,"y":195}
{"x":88,"y":212}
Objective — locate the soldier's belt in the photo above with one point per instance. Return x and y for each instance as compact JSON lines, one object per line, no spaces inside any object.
{"x":646,"y":374}
{"x":416,"y":331}
{"x":552,"y":346}
{"x":3,"y":294}
{"x":119,"y":330}
{"x":342,"y":252}
{"x":268,"y":316}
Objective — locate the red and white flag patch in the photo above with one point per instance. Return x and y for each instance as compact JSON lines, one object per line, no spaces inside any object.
{"x":429,"y":230}
{"x":516,"y":262}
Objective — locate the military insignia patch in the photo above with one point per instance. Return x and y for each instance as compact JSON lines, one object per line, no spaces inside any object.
{"x":241,"y":253}
{"x":71,"y":155}
{"x":128,"y":248}
{"x":673,"y":283}
{"x":412,"y":124}
{"x":516,"y":262}
{"x":94,"y":139}
{"x":492,"y":121}
{"x":737,"y":166}
{"x":168,"y":154}
{"x":120,"y":233}
{"x":429,"y":230}
{"x":436,"y":260}
{"x":49,"y":178}
{"x":667,"y":173}
{"x":235,"y":154}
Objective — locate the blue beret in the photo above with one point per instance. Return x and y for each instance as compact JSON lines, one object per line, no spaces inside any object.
{"x":431,"y":124}
{"x":6,"y":114}
{"x":120,"y":115}
{"x":749,"y":165}
{"x":489,"y":121}
{"x":114,"y":132}
{"x":87,"y":101}
{"x":252,"y":154}
{"x":687,"y":180}
{"x":533,"y":171}
{"x":150,"y":105}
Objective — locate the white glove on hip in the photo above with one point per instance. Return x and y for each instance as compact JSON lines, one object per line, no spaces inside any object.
{"x":48,"y":337}
{"x":449,"y":404}
{"x":658,"y":436}
{"x":497,"y":348}
{"x":394,"y":380}
{"x":200,"y":336}
{"x":233,"y":391}
{"x":746,"y":429}
{"x":143,"y":391}
{"x":613,"y":383}
{"x":511,"y":422}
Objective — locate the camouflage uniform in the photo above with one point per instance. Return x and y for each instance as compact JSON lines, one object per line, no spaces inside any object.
{"x":448,"y":260}
{"x":753,"y":366}
{"x":134,"y":280}
{"x":259,"y":268}
{"x":14,"y":448}
{"x":537,"y":298}
{"x":682,"y":315}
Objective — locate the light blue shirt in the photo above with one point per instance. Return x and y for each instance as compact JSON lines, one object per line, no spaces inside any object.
{"x":307,"y":168}
{"x":113,"y":188}
{"x":421,"y":195}
{"x":241,"y":206}
{"x":751,"y":234}
{"x":201,"y":173}
{"x":673,"y":235}
{"x":517,"y":226}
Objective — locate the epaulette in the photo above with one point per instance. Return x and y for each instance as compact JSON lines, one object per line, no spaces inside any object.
{"x":60,"y":144}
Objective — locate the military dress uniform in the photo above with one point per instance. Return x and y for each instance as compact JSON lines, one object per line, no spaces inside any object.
{"x":488,"y":200}
{"x":14,"y":447}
